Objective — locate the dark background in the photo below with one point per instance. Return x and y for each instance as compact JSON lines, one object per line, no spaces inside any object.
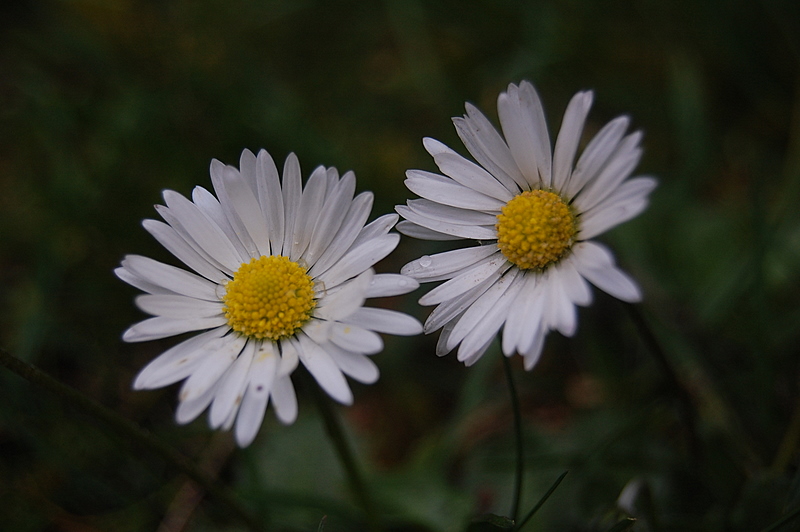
{"x":104,"y":104}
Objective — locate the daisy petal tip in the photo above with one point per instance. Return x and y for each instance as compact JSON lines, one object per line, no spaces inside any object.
{"x":634,"y":296}
{"x":286,"y":419}
{"x":130,"y":336}
{"x":140,"y":383}
{"x":415,"y":329}
{"x":244,"y":440}
{"x":433,"y":146}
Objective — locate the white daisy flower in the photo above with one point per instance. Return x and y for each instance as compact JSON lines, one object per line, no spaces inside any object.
{"x":534,"y":213}
{"x":281,"y":273}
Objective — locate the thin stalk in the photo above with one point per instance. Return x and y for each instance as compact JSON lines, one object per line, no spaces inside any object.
{"x":131,"y":431}
{"x":520,"y":466}
{"x":541,"y":501}
{"x":333,"y":426}
{"x":685,"y":405}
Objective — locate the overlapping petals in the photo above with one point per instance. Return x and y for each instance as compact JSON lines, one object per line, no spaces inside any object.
{"x":483,"y":293}
{"x":255,"y":212}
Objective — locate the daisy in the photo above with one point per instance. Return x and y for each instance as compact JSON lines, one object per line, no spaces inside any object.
{"x":534,"y":214}
{"x":280,"y":276}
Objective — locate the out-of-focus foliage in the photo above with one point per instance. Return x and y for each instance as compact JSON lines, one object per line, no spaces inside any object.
{"x":105,"y":103}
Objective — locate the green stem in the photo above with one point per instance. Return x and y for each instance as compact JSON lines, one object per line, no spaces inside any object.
{"x":517,"y":438}
{"x":132,"y":431}
{"x":685,"y":405}
{"x":541,"y":501}
{"x":334,"y":428}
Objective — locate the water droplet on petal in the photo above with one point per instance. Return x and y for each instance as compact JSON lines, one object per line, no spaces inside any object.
{"x":424,"y":261}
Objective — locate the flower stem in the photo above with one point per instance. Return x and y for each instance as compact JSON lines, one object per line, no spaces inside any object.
{"x":541,"y":502}
{"x":333,"y":426}
{"x":132,"y":431}
{"x":517,"y":438}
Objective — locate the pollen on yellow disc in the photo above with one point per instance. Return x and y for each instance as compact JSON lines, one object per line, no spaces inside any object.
{"x":535,"y":229}
{"x":270,"y":297}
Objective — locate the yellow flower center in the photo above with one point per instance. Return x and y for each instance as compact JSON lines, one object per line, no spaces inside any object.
{"x":535,"y":229}
{"x":269,"y":297}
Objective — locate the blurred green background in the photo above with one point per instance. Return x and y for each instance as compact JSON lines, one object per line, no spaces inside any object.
{"x":105,"y":103}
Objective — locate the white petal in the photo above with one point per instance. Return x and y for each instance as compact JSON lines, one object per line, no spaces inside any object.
{"x":284,"y":399}
{"x":467,"y":279}
{"x":308,"y":212}
{"x":575,"y":287}
{"x":445,"y":213}
{"x":466,"y":172}
{"x":559,"y":312}
{"x":632,"y":190}
{"x":250,"y":417}
{"x":206,"y":233}
{"x":347,"y":234}
{"x":475,"y":232}
{"x":183,"y":250}
{"x":244,"y":204}
{"x":596,"y":264}
{"x":160,"y":327}
{"x":247,"y":169}
{"x":175,"y":306}
{"x":176,"y":363}
{"x":376,"y":228}
{"x":484,"y":317}
{"x":173,"y":221}
{"x":444,"y":265}
{"x":211,"y":207}
{"x":524,"y":127}
{"x":227,"y":204}
{"x":452,"y":308}
{"x":526,"y":319}
{"x":391,"y":284}
{"x":485,"y":329}
{"x":292,"y":192}
{"x":386,"y":321}
{"x":188,"y":410}
{"x":444,"y":336}
{"x":346,"y":300}
{"x":137,"y":282}
{"x":423,"y":233}
{"x":270,"y":198}
{"x":448,"y":192}
{"x":354,"y":365}
{"x":331,"y":217}
{"x":262,"y":376}
{"x":357,"y":339}
{"x":172,"y":278}
{"x":221,"y":354}
{"x":231,"y":387}
{"x":266,"y":361}
{"x":616,"y":170}
{"x":289,"y":358}
{"x":595,"y":155}
{"x":568,"y":138}
{"x":610,"y":217}
{"x":359,"y":259}
{"x":626,"y":202}
{"x":490,"y":150}
{"x":534,"y":351}
{"x":475,"y":355}
{"x":324,"y":370}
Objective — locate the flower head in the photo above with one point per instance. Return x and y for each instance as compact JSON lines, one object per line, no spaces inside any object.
{"x":534,"y":211}
{"x":280,"y":276}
